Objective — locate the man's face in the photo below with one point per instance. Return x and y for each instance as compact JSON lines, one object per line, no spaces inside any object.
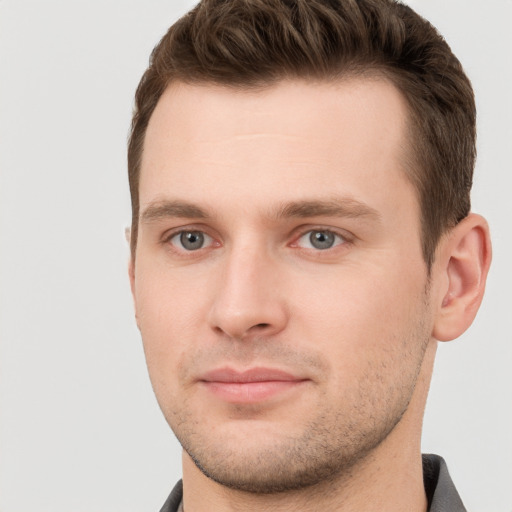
{"x":279,"y":283}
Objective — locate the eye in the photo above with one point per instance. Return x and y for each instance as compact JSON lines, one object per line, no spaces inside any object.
{"x":190,"y":240}
{"x":320,"y":240}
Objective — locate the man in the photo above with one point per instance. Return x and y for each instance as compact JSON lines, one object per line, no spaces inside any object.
{"x":301,"y":240}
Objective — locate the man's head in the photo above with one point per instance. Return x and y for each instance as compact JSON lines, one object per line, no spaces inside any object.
{"x":254,"y":44}
{"x":291,"y":184}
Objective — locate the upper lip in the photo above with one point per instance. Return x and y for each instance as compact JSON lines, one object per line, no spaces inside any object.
{"x":259,"y":374}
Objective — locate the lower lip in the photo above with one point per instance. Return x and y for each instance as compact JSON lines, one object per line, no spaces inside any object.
{"x":250,"y":392}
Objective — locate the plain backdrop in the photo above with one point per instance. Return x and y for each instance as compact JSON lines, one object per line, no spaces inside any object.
{"x":80,"y":430}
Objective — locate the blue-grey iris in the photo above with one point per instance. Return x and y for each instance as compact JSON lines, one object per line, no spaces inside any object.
{"x":192,"y":240}
{"x":322,"y":239}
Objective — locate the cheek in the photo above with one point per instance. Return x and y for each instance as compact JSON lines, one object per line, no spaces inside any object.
{"x":165,"y":316}
{"x":358,"y":313}
{"x":373,"y":339}
{"x":165,"y":302}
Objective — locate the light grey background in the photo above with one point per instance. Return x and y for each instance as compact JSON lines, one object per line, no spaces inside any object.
{"x":79,"y":428}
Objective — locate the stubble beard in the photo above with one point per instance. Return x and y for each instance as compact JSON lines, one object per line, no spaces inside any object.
{"x":290,"y":464}
{"x":327,"y":449}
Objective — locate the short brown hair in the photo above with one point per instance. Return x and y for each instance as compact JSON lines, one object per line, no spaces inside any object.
{"x":255,"y":43}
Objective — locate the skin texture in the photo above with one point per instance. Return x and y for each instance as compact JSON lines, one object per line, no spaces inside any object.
{"x":254,"y":174}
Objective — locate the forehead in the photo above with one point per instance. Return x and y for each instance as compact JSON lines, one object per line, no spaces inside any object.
{"x":293,"y":138}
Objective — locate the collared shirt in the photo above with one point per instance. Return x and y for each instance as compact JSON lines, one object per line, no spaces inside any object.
{"x":441,"y":493}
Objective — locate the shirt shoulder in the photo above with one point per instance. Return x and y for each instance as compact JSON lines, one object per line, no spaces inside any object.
{"x":173,"y":502}
{"x":441,"y":492}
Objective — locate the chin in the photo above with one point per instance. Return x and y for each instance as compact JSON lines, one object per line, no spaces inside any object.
{"x":272,"y":462}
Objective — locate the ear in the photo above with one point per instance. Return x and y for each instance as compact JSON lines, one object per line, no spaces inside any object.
{"x":131,"y":271}
{"x":463,"y":261}
{"x":131,"y":263}
{"x":131,"y":275}
{"x":128,"y":234}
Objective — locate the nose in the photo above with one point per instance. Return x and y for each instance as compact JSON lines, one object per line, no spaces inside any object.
{"x":250,"y":300}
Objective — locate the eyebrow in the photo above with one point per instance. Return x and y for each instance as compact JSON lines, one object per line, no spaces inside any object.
{"x":172,"y":208}
{"x":335,"y":207}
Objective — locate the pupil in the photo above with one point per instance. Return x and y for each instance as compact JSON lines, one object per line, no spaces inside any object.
{"x":321,"y":239}
{"x":192,"y":240}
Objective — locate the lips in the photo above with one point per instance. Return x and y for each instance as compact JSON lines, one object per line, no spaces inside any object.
{"x":249,"y":386}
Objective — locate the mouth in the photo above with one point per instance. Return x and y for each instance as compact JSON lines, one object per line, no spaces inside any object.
{"x":250,"y":386}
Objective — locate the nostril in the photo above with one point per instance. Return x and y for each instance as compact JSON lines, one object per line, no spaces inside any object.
{"x":261,"y":326}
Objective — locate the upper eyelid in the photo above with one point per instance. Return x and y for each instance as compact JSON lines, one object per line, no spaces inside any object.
{"x":172,"y":232}
{"x":303,"y":230}
{"x":335,"y":233}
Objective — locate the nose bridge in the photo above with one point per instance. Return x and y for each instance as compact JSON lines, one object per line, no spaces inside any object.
{"x":248,"y":299}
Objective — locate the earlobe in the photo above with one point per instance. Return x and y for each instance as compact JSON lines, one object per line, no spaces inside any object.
{"x":131,"y":275}
{"x":465,"y":257}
